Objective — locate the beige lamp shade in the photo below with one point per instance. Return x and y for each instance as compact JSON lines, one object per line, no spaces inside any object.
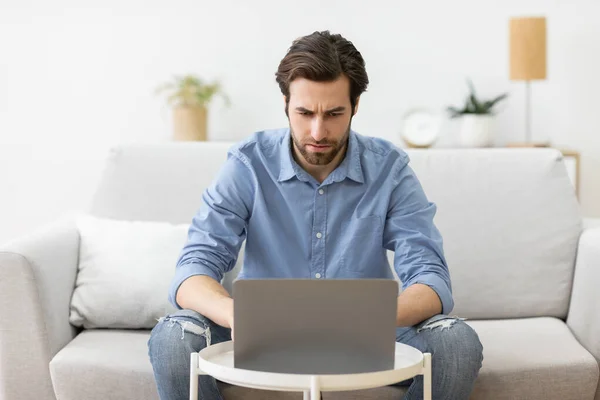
{"x":528,"y":48}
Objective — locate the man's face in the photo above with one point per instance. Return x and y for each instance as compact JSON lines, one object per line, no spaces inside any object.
{"x":319,"y":114}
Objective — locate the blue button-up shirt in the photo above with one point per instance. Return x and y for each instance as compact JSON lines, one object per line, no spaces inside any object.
{"x":296,"y":227}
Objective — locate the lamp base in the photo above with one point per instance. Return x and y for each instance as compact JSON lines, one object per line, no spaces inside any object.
{"x":531,"y":144}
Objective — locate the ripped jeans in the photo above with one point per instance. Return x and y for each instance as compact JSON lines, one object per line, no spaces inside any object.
{"x":455,"y":348}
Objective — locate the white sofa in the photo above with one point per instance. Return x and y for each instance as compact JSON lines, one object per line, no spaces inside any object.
{"x":524,"y":272}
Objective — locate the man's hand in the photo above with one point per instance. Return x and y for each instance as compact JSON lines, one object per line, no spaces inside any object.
{"x":230,"y":320}
{"x":206,"y":296}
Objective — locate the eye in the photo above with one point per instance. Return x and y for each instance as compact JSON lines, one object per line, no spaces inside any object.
{"x":305,"y":113}
{"x":335,"y":114}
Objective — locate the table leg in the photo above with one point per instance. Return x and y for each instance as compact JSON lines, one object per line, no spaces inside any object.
{"x":306,"y":395}
{"x":194,"y":376}
{"x":315,"y":389}
{"x":426,"y":376}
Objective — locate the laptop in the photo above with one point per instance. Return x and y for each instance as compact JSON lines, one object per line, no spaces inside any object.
{"x":306,"y":326}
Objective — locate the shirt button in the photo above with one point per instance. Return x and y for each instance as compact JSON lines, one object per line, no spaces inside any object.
{"x":321,"y":191}
{"x":319,"y":235}
{"x":317,"y":275}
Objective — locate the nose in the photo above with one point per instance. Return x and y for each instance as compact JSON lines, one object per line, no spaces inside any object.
{"x":317,"y":130}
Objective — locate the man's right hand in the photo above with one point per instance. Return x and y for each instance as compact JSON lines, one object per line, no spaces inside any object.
{"x":206,"y":296}
{"x":230,"y":320}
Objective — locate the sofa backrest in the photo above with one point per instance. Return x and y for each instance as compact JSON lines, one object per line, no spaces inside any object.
{"x":509,"y":217}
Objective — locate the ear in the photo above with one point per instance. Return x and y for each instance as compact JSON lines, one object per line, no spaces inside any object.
{"x":356,"y":106}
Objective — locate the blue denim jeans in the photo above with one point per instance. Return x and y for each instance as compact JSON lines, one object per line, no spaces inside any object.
{"x":455,"y":348}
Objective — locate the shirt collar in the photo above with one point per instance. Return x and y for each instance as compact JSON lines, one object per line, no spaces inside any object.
{"x":349,"y":168}
{"x":288,"y":167}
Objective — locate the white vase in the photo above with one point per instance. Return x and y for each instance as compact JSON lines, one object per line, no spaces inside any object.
{"x":476,"y":130}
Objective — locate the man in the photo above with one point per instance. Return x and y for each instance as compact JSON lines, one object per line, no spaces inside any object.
{"x":317,"y":201}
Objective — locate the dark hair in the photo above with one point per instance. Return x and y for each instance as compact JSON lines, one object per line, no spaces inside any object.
{"x":322,"y":57}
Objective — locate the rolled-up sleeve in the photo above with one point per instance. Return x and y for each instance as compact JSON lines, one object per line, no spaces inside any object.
{"x":218,"y":229}
{"x":417,"y":243}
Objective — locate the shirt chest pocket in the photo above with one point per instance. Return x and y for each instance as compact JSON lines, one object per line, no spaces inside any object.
{"x":362,"y":243}
{"x":360,"y":227}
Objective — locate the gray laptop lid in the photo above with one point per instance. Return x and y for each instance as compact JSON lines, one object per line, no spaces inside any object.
{"x":306,"y":326}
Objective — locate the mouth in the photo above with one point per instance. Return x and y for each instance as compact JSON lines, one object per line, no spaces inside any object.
{"x":318,"y":148}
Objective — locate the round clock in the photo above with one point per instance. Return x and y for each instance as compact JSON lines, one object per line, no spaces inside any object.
{"x":420,"y":127}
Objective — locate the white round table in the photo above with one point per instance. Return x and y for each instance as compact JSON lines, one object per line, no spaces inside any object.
{"x":217,"y":361}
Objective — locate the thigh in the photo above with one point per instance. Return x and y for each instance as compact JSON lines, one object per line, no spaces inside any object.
{"x":189,"y":321}
{"x":186,"y":330}
{"x":174,"y":338}
{"x":456,"y":355}
{"x":424,"y":336}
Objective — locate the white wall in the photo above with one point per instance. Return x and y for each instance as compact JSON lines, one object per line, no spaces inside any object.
{"x":76,"y":79}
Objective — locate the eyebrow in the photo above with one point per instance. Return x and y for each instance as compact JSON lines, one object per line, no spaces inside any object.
{"x":332,"y":110}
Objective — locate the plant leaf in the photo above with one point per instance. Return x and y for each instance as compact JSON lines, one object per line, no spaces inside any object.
{"x":471,"y":87}
{"x":454,"y":112}
{"x":188,"y":90}
{"x":473,"y":105}
{"x":497,"y":99}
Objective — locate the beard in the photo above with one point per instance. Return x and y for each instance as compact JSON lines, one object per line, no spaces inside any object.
{"x":321,"y":158}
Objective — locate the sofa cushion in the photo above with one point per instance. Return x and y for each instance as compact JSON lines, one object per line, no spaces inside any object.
{"x":523,"y":359}
{"x":157,"y":182}
{"x":534,"y":358}
{"x":510,"y":222}
{"x":104,"y":364}
{"x":125,"y":268}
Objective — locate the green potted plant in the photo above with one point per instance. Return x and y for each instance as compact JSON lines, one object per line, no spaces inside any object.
{"x":189,"y":96}
{"x":477,"y":118}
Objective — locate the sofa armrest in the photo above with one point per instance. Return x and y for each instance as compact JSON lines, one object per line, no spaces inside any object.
{"x":37,"y":277}
{"x":583,"y":318}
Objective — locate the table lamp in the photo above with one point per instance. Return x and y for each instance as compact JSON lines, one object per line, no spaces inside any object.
{"x":528,"y":61}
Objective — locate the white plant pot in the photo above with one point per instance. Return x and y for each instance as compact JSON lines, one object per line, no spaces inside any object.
{"x":476,"y":130}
